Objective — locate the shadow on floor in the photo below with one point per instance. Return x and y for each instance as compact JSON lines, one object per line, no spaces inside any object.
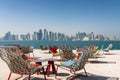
{"x":63,"y":74}
{"x":36,"y":78}
{"x":100,"y":57}
{"x":82,"y":76}
{"x":110,"y":54}
{"x":102,"y":62}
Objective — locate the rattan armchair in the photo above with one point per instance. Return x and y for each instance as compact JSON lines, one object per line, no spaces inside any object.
{"x":11,"y":56}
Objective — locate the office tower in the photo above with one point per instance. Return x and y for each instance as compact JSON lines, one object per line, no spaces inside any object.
{"x":91,"y":36}
{"x":7,"y":36}
{"x":35,"y":36}
{"x":50,"y":35}
{"x":80,"y":36}
{"x":39,"y":35}
{"x":45,"y":34}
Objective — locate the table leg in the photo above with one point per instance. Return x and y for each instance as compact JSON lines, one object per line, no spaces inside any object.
{"x":48,"y":69}
{"x":53,"y":69}
{"x":51,"y":63}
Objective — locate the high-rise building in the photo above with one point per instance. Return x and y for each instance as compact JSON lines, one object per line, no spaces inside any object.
{"x":45,"y":34}
{"x":7,"y":36}
{"x":39,"y":35}
{"x":25,"y":37}
{"x":50,"y":35}
{"x":13,"y":37}
{"x":35,"y":36}
{"x":91,"y":36}
{"x":100,"y":37}
{"x":28,"y":36}
{"x":113,"y":37}
{"x":80,"y":36}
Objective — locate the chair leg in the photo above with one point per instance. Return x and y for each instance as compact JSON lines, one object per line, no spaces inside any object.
{"x":9,"y":76}
{"x":103,"y":52}
{"x":53,"y":69}
{"x":19,"y":77}
{"x":73,"y":72}
{"x":29,"y":76}
{"x":44,"y":73}
{"x":33,"y":55}
{"x":56,"y":75}
{"x":85,"y":71}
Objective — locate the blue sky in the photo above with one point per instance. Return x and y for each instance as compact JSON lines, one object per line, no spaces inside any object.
{"x":66,"y":16}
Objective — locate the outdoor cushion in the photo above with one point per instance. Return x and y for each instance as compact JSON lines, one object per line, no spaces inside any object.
{"x":53,"y":50}
{"x":68,"y":63}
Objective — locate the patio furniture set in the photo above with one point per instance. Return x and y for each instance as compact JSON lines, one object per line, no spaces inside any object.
{"x":16,"y":63}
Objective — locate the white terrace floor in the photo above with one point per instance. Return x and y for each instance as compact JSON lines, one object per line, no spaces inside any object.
{"x":107,"y":66}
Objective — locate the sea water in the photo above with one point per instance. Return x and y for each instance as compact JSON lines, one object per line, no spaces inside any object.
{"x":36,"y":44}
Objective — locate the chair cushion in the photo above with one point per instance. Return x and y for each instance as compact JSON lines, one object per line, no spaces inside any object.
{"x":68,"y":63}
{"x":53,"y":50}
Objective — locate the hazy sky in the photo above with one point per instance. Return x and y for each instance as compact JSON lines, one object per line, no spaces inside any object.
{"x":66,"y":16}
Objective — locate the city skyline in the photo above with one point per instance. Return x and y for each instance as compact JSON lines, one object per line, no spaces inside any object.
{"x":65,"y":16}
{"x":58,"y":36}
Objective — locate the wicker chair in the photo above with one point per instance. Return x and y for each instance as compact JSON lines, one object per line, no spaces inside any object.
{"x":16,"y":64}
{"x":74,"y":65}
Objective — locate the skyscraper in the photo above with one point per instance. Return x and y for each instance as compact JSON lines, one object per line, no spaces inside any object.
{"x":7,"y":36}
{"x":45,"y":34}
{"x":39,"y":35}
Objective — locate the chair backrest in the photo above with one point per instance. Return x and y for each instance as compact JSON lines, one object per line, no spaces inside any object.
{"x":14,"y":60}
{"x":31,"y":49}
{"x":53,"y":49}
{"x":98,"y":51}
{"x":67,"y":52}
{"x":88,"y":51}
{"x":110,"y":46}
{"x":25,"y":49}
{"x":42,"y":47}
{"x":79,"y":63}
{"x":102,"y":47}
